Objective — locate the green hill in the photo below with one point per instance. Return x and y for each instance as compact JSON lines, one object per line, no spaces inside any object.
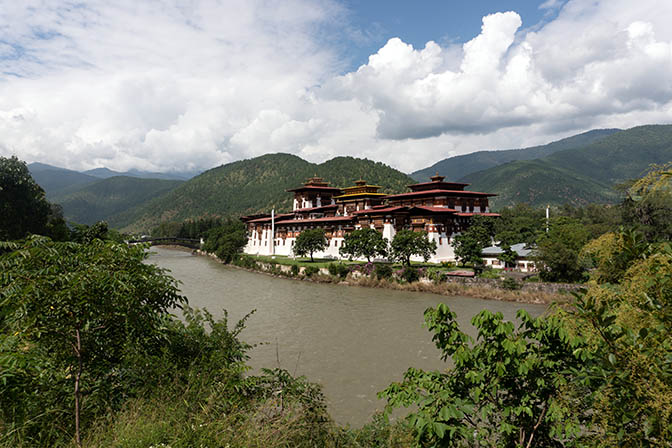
{"x":252,"y":186}
{"x":56,"y":181}
{"x":454,"y":168}
{"x":105,"y":198}
{"x":579,"y":175}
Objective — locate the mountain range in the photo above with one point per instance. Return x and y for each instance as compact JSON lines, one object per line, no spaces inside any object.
{"x":580,"y":169}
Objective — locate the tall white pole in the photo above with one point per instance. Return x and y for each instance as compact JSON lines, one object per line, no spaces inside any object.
{"x":548,"y":214}
{"x":272,"y":231}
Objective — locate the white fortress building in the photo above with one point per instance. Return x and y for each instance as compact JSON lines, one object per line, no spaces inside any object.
{"x":442,"y":209}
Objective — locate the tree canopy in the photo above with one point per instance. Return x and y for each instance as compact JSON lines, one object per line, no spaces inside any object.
{"x":365,"y":243}
{"x":310,"y":241}
{"x":407,"y":243}
{"x":23,"y":206}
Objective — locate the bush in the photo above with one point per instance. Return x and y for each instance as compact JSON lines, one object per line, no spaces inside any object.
{"x":383,"y":271}
{"x":489,"y":273}
{"x":245,"y":261}
{"x":309,"y":271}
{"x":338,"y":270}
{"x":410,"y":274}
{"x":294,"y":270}
{"x":510,"y":284}
{"x":436,"y":275}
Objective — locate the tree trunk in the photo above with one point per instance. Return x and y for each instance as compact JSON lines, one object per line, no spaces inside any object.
{"x":78,"y":394}
{"x":311,"y":257}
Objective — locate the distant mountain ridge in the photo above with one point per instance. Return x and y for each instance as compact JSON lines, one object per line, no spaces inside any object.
{"x":252,"y":186}
{"x":455,"y":168}
{"x":579,"y":175}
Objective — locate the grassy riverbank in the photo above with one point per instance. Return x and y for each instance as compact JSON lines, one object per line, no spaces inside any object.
{"x":356,"y":274}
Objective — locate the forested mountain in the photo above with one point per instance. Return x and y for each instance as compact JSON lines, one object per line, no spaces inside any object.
{"x":454,"y":168}
{"x":55,"y":180}
{"x":105,"y":173}
{"x":104,"y":198}
{"x":580,"y":175}
{"x":254,"y":185}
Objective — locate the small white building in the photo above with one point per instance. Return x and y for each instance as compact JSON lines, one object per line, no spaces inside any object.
{"x":524,"y":254}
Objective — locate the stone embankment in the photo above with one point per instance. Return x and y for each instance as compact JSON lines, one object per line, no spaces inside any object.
{"x":484,"y":288}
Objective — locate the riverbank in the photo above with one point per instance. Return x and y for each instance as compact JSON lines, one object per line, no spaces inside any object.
{"x":488,"y":289}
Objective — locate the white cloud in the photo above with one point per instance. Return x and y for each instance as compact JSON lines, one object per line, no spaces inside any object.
{"x":167,"y":84}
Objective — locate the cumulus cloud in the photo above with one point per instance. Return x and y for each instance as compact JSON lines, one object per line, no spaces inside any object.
{"x":167,"y":84}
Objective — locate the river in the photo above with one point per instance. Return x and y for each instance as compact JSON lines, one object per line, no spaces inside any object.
{"x":354,"y":341}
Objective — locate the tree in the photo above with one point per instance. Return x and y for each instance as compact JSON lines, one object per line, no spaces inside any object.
{"x":310,"y":241}
{"x":227,"y":240}
{"x":648,"y":205}
{"x":504,"y":390}
{"x":365,"y":242}
{"x":467,"y":248}
{"x":557,"y":254}
{"x":75,"y":310}
{"x":407,"y":243}
{"x":508,"y":256}
{"x":23,"y":206}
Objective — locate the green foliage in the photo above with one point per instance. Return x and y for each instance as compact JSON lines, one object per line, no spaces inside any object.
{"x":367,"y":243}
{"x":75,"y":310}
{"x":310,"y":241}
{"x":648,"y":205}
{"x":191,"y":228}
{"x":23,"y":207}
{"x":510,"y":284}
{"x":508,"y":256}
{"x":245,"y":261}
{"x":338,"y":270}
{"x":557,"y":254}
{"x":409,"y":274}
{"x":407,"y":243}
{"x":467,"y":249}
{"x":501,"y":391}
{"x":294,"y":270}
{"x":383,"y":271}
{"x":309,"y":271}
{"x":227,"y":240}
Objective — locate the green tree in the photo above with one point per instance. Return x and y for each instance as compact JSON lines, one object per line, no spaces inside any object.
{"x":365,"y":242}
{"x":502,"y":391}
{"x":74,"y":310}
{"x":23,"y":206}
{"x":508,"y":256}
{"x":407,"y":243}
{"x":467,"y":248}
{"x":557,"y":254}
{"x":310,"y":241}
{"x":227,"y":240}
{"x":648,"y":204}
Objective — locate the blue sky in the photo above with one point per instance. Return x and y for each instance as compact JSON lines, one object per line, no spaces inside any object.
{"x":180,"y":85}
{"x":447,"y":21}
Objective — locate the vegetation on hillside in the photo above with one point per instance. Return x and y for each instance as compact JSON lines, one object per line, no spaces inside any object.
{"x":254,"y":186}
{"x":457,"y":167}
{"x":580,"y":175}
{"x":104,"y":199}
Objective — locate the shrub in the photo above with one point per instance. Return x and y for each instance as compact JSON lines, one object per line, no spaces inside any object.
{"x":510,"y":284}
{"x":489,"y":273}
{"x":294,"y":270}
{"x":383,"y":271}
{"x":309,"y":271}
{"x":410,"y":274}
{"x":338,"y":270}
{"x":436,"y":275}
{"x":245,"y":261}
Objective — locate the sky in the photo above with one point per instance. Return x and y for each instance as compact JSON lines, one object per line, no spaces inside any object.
{"x":186,"y":85}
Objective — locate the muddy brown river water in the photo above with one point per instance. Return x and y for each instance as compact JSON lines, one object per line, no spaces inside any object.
{"x":353,"y":341}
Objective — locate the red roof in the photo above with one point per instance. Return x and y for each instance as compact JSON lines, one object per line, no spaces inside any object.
{"x":437,"y":192}
{"x":434,"y":209}
{"x":437,"y":183}
{"x":325,"y":219}
{"x":385,"y":209}
{"x":479,"y":214}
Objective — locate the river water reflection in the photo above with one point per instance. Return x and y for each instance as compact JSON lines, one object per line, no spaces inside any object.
{"x":354,"y":341}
